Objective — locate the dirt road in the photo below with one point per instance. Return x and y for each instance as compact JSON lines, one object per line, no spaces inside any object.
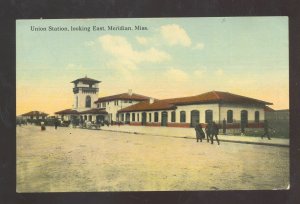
{"x":79,"y":160}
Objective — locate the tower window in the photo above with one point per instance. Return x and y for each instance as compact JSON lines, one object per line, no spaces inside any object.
{"x":88,"y":102}
{"x":76,"y":102}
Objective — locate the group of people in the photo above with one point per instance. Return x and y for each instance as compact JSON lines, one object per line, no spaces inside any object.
{"x":211,"y":131}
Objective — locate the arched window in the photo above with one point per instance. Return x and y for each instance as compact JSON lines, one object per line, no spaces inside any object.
{"x":156,"y":117}
{"x":229,"y":116}
{"x":244,"y":118}
{"x":195,"y":118}
{"x":182,"y":116}
{"x":173,"y":116}
{"x":88,"y":102}
{"x":257,"y":116}
{"x":127,"y":118}
{"x":164,"y":118}
{"x":208,"y":116}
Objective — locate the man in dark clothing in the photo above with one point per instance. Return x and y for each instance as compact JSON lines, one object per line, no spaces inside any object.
{"x":266,"y":129}
{"x":224,"y":126}
{"x":56,"y":123}
{"x":208,"y":131}
{"x":199,"y":132}
{"x":214,"y":132}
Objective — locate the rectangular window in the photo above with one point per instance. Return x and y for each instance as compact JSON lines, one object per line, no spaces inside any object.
{"x":133,"y":117}
{"x":156,"y":117}
{"x":182,"y":116}
{"x":257,"y":116}
{"x":208,"y":116}
{"x":138,"y":117}
{"x":229,"y":116}
{"x":173,"y":117}
{"x":150,"y":117}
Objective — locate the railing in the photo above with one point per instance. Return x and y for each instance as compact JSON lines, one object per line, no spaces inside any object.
{"x":85,"y":89}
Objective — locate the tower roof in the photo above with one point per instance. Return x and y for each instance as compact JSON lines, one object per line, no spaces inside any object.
{"x":86,"y":80}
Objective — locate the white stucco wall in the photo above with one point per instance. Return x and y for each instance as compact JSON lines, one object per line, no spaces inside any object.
{"x":199,"y":107}
{"x":187,"y":108}
{"x":219,"y":112}
{"x":236,"y":109}
{"x":111,"y":108}
{"x":81,"y":100}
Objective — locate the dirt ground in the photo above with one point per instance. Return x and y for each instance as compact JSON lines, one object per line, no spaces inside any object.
{"x":79,"y":160}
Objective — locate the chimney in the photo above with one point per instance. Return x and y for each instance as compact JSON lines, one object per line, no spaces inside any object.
{"x":130,"y":92}
{"x":151,"y":100}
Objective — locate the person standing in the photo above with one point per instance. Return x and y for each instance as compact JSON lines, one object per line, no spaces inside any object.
{"x":199,"y":132}
{"x":43,"y":127}
{"x":214,"y":132}
{"x":56,"y":123}
{"x":266,"y":130}
{"x":224,"y":126}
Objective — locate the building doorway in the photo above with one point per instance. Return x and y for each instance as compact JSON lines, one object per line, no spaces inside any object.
{"x":164,"y":118}
{"x":99,"y":119}
{"x":127,"y":118}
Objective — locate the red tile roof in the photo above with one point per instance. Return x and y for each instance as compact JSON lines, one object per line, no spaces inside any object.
{"x":123,"y":96}
{"x":269,"y":109}
{"x":146,"y":106}
{"x":217,"y":97}
{"x":90,"y":111}
{"x":94,"y":111}
{"x":67,"y":111}
{"x":85,"y":80}
{"x":35,"y":113}
{"x":209,"y":97}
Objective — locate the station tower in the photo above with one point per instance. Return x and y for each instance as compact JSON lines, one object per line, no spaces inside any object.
{"x":85,"y":93}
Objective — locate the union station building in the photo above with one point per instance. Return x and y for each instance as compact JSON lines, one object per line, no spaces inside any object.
{"x":135,"y":109}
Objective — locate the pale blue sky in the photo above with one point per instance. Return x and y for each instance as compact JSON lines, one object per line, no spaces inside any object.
{"x":174,"y":57}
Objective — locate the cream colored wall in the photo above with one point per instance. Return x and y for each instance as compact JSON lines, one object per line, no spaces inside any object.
{"x":187,"y":109}
{"x":113,"y":109}
{"x":219,"y":112}
{"x":237,"y":111}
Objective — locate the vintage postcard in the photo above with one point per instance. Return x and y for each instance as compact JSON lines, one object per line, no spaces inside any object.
{"x":152,"y":104}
